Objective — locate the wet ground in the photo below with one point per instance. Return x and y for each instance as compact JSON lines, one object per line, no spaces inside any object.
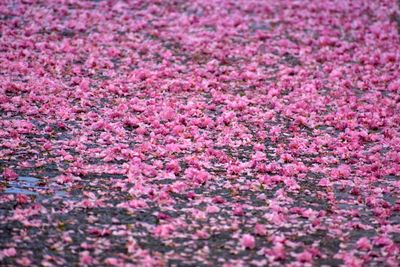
{"x":201,"y":133}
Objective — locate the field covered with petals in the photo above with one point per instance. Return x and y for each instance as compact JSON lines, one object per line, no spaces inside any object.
{"x":199,"y":133}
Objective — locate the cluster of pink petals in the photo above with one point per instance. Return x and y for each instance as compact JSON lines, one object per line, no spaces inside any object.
{"x":199,"y":133}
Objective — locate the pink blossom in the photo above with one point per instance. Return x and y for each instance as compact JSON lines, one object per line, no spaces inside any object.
{"x":22,"y":199}
{"x":324,"y":182}
{"x":173,"y":166}
{"x":164,"y":230}
{"x":343,"y":171}
{"x":277,"y":252}
{"x":24,"y":261}
{"x":9,"y":174}
{"x":99,"y":232}
{"x":364,"y":244}
{"x":197,"y":176}
{"x":304,"y":256}
{"x":382,"y":241}
{"x":218,"y":200}
{"x":85,"y":258}
{"x":64,"y":179}
{"x":394,"y":86}
{"x":212,"y":209}
{"x":352,"y":261}
{"x":7,"y":252}
{"x":260,"y":229}
{"x":201,"y":234}
{"x":248,"y":241}
{"x":238,"y":210}
{"x":113,"y":261}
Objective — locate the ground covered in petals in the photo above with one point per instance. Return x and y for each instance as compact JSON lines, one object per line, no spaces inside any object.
{"x":199,"y":133}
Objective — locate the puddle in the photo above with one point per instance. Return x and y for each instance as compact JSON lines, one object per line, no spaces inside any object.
{"x":28,"y":185}
{"x":24,"y":185}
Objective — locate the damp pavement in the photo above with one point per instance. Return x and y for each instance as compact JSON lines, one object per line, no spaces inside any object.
{"x":199,"y":133}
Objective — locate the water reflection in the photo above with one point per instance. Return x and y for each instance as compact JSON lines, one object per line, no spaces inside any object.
{"x":29,"y":185}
